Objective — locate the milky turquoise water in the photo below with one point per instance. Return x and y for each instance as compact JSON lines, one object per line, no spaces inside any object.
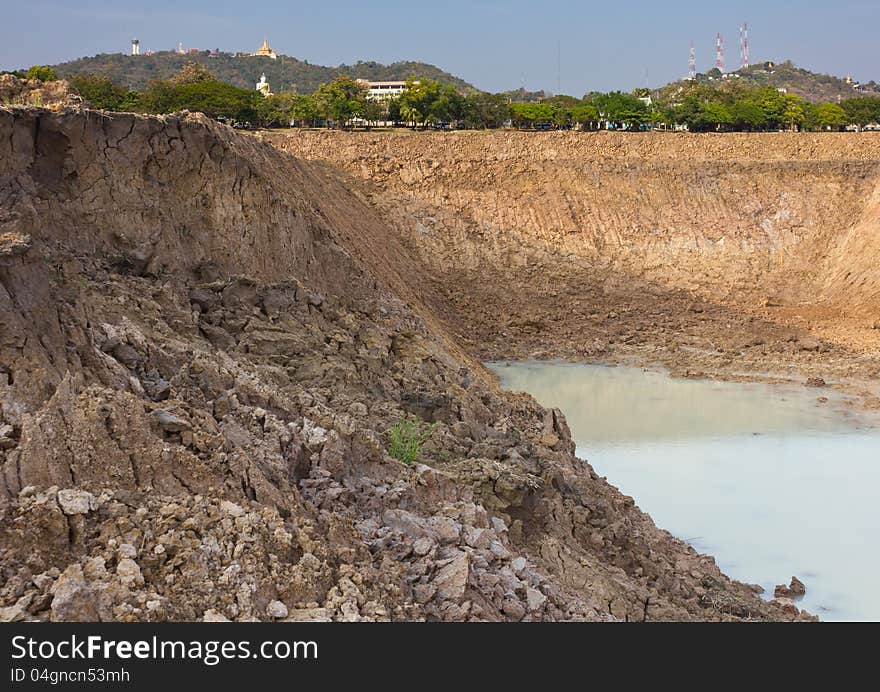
{"x":765,"y":478}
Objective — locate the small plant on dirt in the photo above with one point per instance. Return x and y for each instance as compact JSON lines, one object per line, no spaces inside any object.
{"x":406,"y":439}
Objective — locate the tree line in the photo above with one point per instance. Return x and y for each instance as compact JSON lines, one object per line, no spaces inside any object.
{"x":343,"y":102}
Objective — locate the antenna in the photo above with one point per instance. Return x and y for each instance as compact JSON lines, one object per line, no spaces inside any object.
{"x":719,"y":53}
{"x":744,"y":45}
{"x":692,"y":63}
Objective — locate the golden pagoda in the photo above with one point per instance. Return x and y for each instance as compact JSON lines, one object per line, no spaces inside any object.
{"x":265,"y":51}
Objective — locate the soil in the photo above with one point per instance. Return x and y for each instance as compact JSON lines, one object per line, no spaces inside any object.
{"x":734,"y":256}
{"x":205,"y":342}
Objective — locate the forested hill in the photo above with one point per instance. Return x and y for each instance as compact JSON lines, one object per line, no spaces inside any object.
{"x":810,"y":86}
{"x":244,"y":71}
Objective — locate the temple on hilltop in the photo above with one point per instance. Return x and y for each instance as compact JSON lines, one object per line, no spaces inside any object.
{"x":265,"y":51}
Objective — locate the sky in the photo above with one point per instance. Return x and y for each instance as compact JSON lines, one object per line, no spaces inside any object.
{"x":556,"y":45}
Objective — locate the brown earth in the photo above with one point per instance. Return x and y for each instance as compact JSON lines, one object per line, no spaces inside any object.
{"x":735,"y":256}
{"x":204,"y":342}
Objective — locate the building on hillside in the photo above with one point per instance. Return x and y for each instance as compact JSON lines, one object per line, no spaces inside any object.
{"x":180,"y":49}
{"x":265,"y":51}
{"x":382,"y":91}
{"x":135,"y":47}
{"x":263,"y":86}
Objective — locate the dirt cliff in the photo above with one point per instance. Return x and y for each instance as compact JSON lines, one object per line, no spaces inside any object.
{"x":203,"y":344}
{"x":713,"y":254}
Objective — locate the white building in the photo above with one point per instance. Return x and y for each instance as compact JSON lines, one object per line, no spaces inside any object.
{"x":135,"y":47}
{"x":382,"y":91}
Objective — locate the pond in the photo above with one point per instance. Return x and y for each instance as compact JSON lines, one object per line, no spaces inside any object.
{"x":767,"y":478}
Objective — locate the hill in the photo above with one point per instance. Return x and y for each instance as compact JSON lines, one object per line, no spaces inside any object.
{"x":244,"y":71}
{"x":811,"y":86}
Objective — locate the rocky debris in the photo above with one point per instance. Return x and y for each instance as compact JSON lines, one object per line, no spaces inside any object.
{"x":73,"y":501}
{"x":13,"y":244}
{"x":198,"y":431}
{"x":32,"y":92}
{"x":814,"y":382}
{"x":276,"y":609}
{"x":795,"y":589}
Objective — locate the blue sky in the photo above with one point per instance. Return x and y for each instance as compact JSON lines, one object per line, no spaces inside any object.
{"x":495,"y":45}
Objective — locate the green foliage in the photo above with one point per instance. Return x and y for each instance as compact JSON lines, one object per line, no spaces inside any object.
{"x":862,"y":111}
{"x":275,"y":110}
{"x":103,"y":94}
{"x":214,"y":99}
{"x":406,"y":438}
{"x":531,"y":114}
{"x":304,"y":110}
{"x":340,"y":100}
{"x":829,"y":116}
{"x":44,"y":73}
{"x":485,"y":111}
{"x":620,"y":109}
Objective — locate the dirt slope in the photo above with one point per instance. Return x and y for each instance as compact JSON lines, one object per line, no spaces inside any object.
{"x":719,"y":254}
{"x":203,"y":343}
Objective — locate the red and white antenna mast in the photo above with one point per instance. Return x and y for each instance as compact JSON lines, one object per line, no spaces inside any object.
{"x":744,"y":45}
{"x":719,"y":53}
{"x":692,"y":63}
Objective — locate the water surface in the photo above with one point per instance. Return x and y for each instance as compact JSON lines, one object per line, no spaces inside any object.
{"x":765,"y":478}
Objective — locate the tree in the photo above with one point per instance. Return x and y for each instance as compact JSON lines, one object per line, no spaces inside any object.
{"x":275,"y":110}
{"x":417,"y":100}
{"x":341,"y":100}
{"x":717,"y":115}
{"x":103,"y":94}
{"x":748,"y":115}
{"x":862,"y":111}
{"x":621,"y":109}
{"x":448,"y":106}
{"x":373,"y":111}
{"x":794,"y":111}
{"x":43,"y":73}
{"x":830,"y":116}
{"x":192,"y":73}
{"x":215,"y":99}
{"x":586,"y":115}
{"x":530,"y":114}
{"x":304,"y":110}
{"x":486,"y":110}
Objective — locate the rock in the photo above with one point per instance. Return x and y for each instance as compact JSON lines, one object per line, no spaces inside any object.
{"x":423,"y":545}
{"x":534,"y":599}
{"x":513,"y":609}
{"x":16,"y":612}
{"x":814,"y":382}
{"x":74,"y":501}
{"x":129,"y":573}
{"x":518,"y":564}
{"x":73,"y":600}
{"x":126,"y":355}
{"x":168,"y":422}
{"x":232,"y":509}
{"x":422,"y":593}
{"x":795,"y":589}
{"x":276,"y":609}
{"x":212,"y":615}
{"x":452,"y":579}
